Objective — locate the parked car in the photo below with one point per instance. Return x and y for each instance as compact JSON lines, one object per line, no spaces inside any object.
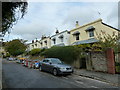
{"x":35,"y":63}
{"x":21,"y":60}
{"x":29,"y":63}
{"x":11,"y":59}
{"x":55,"y":66}
{"x":18,"y":61}
{"x":25,"y":63}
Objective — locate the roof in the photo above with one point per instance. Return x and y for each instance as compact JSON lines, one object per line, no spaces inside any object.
{"x":99,"y":20}
{"x":59,"y":33}
{"x":61,"y":36}
{"x":75,"y":33}
{"x":90,"y":28}
{"x":92,"y":40}
{"x":110,"y":26}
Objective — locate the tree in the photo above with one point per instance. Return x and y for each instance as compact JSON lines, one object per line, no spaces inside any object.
{"x":15,"y":47}
{"x":11,"y":13}
{"x":109,"y":41}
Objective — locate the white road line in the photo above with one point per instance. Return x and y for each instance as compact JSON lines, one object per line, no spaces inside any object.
{"x":79,"y":82}
{"x":65,"y":77}
{"x":93,"y":79}
{"x":94,"y":87}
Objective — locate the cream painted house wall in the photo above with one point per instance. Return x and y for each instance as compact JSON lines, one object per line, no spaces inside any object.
{"x":98,"y":25}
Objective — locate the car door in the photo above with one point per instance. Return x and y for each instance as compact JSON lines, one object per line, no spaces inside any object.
{"x":50,"y":66}
{"x":44,"y":64}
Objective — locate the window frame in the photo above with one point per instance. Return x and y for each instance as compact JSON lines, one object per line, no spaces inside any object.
{"x":91,"y":33}
{"x":77,"y":37}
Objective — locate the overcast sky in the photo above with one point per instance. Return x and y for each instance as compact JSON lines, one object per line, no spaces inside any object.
{"x":43,"y":18}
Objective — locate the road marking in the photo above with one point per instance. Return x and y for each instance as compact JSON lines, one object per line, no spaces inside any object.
{"x":79,"y":82}
{"x":65,"y":77}
{"x":94,"y":86}
{"x":93,"y":79}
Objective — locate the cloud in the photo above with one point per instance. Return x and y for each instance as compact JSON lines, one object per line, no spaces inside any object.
{"x":43,"y":18}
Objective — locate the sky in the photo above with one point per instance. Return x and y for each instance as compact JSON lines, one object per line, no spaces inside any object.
{"x":42,"y":18}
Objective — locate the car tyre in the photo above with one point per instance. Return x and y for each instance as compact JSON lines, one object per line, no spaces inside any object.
{"x":55,"y":72}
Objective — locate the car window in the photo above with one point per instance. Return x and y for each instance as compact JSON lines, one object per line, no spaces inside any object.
{"x":56,"y":61}
{"x":45,"y":61}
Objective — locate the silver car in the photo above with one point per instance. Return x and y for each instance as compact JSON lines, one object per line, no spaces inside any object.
{"x":55,"y":66}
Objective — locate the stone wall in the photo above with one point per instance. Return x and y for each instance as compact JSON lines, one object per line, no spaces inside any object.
{"x":76,"y":63}
{"x":97,"y":61}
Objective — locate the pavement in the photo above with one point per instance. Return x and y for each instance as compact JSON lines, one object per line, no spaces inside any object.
{"x":113,"y":79}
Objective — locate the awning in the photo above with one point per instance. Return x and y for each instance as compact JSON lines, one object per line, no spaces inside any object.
{"x":61,"y":36}
{"x":90,"y":28}
{"x":53,"y":39}
{"x":75,"y":33}
{"x":45,"y":41}
{"x":92,"y":40}
{"x":40,"y":42}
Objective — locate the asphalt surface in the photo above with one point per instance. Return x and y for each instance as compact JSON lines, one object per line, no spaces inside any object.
{"x":17,"y":76}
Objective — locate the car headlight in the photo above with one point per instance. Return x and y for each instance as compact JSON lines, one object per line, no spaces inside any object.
{"x":62,"y":69}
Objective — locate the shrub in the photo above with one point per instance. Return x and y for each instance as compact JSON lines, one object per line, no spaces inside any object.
{"x":35,"y":52}
{"x":66,"y":53}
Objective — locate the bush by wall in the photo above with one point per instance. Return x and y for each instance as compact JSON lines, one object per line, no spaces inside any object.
{"x":66,"y":53}
{"x":35,"y":52}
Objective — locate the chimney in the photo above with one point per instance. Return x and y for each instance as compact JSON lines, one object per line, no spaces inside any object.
{"x":77,"y":24}
{"x":57,"y":31}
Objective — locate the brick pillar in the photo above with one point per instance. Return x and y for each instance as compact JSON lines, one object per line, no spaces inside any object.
{"x":110,"y":61}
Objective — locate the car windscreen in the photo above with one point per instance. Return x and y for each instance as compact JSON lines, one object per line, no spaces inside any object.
{"x":56,"y":61}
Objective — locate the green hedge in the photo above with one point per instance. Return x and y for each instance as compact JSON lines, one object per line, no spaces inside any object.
{"x":117,"y":66}
{"x":117,"y":69}
{"x":66,"y":53}
{"x":35,"y":52}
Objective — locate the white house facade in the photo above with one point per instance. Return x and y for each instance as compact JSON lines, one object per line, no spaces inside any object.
{"x":33,"y":45}
{"x":45,"y":42}
{"x":60,"y":39}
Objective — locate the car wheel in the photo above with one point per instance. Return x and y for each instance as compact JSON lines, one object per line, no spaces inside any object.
{"x":55,"y":72}
{"x":40,"y":69}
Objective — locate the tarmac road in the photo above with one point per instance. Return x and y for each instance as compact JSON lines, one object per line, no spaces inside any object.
{"x":17,"y":76}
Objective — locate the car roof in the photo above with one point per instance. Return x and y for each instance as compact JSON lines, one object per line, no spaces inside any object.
{"x":51,"y":58}
{"x":36,"y":60}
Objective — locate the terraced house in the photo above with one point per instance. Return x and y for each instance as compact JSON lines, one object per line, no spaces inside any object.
{"x":88,"y":33}
{"x":33,"y":45}
{"x":45,"y":42}
{"x":60,"y":38}
{"x":84,"y":34}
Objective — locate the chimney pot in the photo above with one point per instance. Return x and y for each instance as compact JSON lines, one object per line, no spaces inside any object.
{"x":77,"y":24}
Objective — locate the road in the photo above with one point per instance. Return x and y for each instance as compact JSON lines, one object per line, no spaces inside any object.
{"x":17,"y":76}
